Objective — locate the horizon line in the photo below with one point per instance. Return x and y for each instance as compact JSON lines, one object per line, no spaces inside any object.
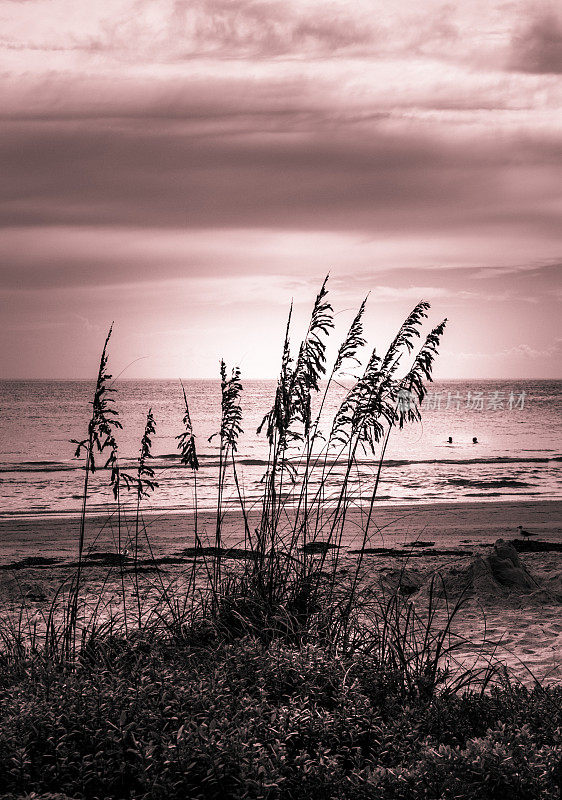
{"x":252,"y":378}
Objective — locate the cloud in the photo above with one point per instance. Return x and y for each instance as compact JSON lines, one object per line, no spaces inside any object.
{"x":383,"y":294}
{"x":475,"y":33}
{"x":56,"y":257}
{"x":254,"y":28}
{"x":162,"y":173}
{"x":519,"y":351}
{"x":526,"y":351}
{"x":441,"y":267}
{"x":538,"y":48}
{"x":171,"y":30}
{"x":181,"y":30}
{"x":107,"y":94}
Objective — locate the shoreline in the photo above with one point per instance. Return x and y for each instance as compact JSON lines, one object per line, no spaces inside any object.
{"x":380,"y":504}
{"x":482,"y":521}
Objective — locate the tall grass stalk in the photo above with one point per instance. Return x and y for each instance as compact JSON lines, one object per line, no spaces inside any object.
{"x":230,"y":429}
{"x":189,"y":458}
{"x":144,"y":484}
{"x":100,"y":437}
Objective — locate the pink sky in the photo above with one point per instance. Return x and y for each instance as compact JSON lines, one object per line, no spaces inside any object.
{"x":187,"y":167}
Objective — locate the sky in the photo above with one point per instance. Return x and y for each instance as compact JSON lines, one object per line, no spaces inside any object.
{"x":186,"y":168}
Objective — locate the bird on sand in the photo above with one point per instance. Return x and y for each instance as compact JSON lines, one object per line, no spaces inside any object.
{"x":524,"y":533}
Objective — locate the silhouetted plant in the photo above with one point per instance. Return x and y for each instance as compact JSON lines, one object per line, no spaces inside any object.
{"x":189,"y":458}
{"x":284,"y":581}
{"x":352,"y":342}
{"x":144,"y":484}
{"x":230,"y":429}
{"x":101,"y":437}
{"x":311,"y":361}
{"x":186,"y":439}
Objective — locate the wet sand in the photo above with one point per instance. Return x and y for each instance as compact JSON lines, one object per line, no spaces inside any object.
{"x":450,"y":525}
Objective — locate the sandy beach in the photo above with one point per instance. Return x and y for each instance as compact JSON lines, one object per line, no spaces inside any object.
{"x":521,"y":628}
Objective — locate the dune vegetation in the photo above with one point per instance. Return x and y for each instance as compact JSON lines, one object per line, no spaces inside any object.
{"x":278,"y":674}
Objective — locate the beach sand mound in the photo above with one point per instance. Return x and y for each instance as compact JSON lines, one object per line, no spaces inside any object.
{"x":401,"y":580}
{"x":500,"y":577}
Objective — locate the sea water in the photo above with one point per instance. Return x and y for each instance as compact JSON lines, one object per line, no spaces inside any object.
{"x":517,"y":424}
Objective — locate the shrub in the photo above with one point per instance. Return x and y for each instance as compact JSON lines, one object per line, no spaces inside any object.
{"x":151,"y":720}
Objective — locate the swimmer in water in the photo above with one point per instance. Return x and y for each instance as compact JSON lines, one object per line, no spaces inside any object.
{"x":450,"y":440}
{"x":474,"y":440}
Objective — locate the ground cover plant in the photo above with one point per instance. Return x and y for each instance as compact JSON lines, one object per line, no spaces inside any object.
{"x":152,"y":719}
{"x":274,"y":676}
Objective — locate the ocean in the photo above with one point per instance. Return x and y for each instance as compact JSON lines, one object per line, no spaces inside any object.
{"x":517,"y":424}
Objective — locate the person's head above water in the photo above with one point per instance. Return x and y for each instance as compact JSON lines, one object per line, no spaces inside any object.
{"x":474,"y":440}
{"x":450,"y":440}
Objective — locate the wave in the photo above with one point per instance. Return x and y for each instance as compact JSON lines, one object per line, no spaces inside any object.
{"x":177,"y":456}
{"x":501,"y":483}
{"x":488,"y":494}
{"x":171,"y":461}
{"x":481,"y":460}
{"x":39,"y":466}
